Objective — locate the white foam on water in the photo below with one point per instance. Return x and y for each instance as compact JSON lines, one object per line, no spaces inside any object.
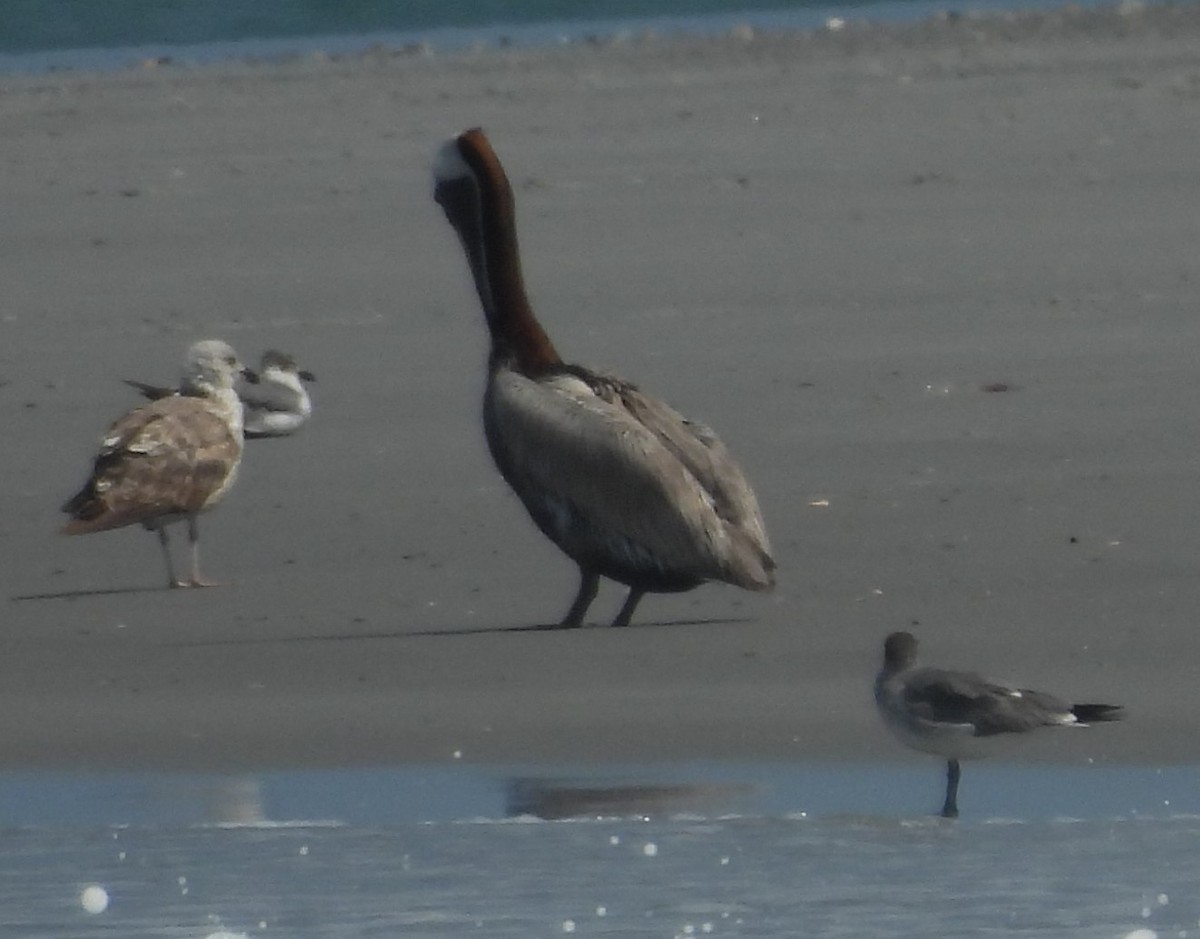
{"x":94,"y":899}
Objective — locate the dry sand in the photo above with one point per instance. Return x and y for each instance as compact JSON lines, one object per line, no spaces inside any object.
{"x":937,"y":285}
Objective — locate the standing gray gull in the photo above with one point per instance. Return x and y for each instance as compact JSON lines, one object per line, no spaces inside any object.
{"x":170,"y":460}
{"x":956,"y":714}
{"x":621,"y":482}
{"x":275,"y":402}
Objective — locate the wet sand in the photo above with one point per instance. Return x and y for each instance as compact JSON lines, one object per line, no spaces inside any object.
{"x":936,"y":285}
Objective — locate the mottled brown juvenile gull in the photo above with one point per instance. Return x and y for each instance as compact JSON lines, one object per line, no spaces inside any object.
{"x":170,"y":460}
{"x":275,"y":402}
{"x":955,"y":714}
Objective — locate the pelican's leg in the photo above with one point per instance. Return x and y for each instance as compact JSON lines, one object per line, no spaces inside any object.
{"x":194,"y":541}
{"x":950,"y":807}
{"x":631,"y":601}
{"x":172,"y":580}
{"x":589,"y":584}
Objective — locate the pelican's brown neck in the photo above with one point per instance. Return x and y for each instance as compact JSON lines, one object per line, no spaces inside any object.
{"x":480,"y":206}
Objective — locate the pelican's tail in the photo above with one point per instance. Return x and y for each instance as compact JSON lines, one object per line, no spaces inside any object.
{"x":748,"y":565}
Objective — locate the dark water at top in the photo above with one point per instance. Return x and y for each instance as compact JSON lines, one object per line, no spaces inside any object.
{"x":38,"y":35}
{"x":38,"y":25}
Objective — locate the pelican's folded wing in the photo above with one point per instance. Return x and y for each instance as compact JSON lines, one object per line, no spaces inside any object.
{"x":176,"y":455}
{"x":591,"y":465}
{"x":700,"y":450}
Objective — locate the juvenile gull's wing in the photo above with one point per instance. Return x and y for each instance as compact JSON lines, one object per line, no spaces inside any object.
{"x":174,"y":456}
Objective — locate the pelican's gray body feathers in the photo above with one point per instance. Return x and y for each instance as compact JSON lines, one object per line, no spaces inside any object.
{"x":623,"y":483}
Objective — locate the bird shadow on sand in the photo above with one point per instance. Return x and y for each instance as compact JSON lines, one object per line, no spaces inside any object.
{"x":75,"y":594}
{"x":556,"y":628}
{"x":471,"y":631}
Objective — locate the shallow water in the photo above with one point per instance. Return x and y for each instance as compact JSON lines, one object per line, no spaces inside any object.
{"x":679,"y":851}
{"x":784,"y":876}
{"x":415,"y":794}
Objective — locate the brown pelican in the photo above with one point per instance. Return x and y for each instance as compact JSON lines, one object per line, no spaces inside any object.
{"x":956,"y":714}
{"x":170,"y":460}
{"x":275,"y":402}
{"x":624,"y":485}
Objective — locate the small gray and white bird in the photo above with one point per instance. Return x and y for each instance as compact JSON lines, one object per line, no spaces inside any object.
{"x":955,"y":714}
{"x":274,"y":399}
{"x":277,"y":404}
{"x":169,"y":460}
